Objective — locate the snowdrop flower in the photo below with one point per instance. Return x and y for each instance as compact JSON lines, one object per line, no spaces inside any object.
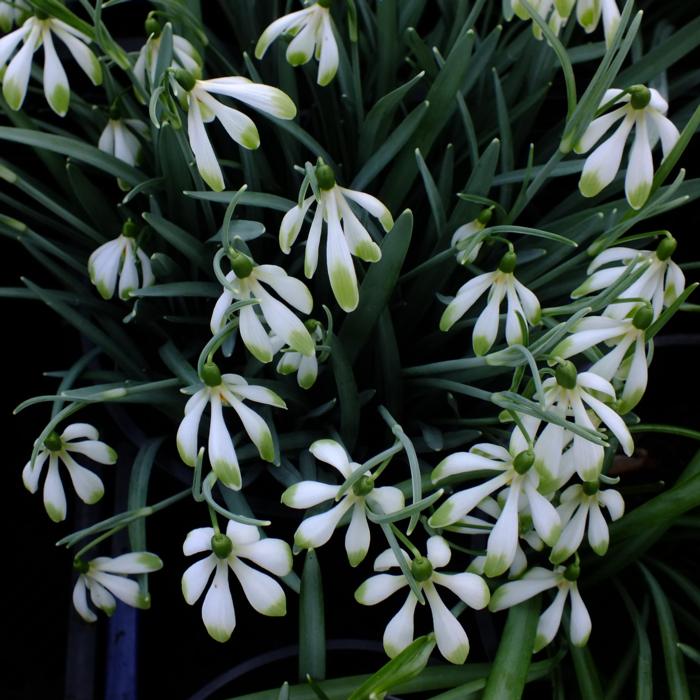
{"x":118,"y":258}
{"x":644,"y":109}
{"x":305,"y":366}
{"x":660,"y":284}
{"x":106,"y":578}
{"x":568,"y":393}
{"x":228,"y":552}
{"x":537,"y":580}
{"x":118,"y":138}
{"x":500,"y":283}
{"x":463,"y":237}
{"x":10,"y":12}
{"x":185,"y":56}
{"x":580,"y":503}
{"x":515,"y":467}
{"x":246,"y":281}
{"x":346,"y":235}
{"x":318,"y":529}
{"x":196,"y":96}
{"x":452,"y":640}
{"x":312,"y":29}
{"x":225,"y":390}
{"x":38,"y":31}
{"x":621,"y":335}
{"x":77,"y":438}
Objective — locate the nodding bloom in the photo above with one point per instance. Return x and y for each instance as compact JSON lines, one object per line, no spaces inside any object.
{"x":465,"y":239}
{"x":120,"y":259}
{"x":77,"y":438}
{"x":245,"y":281}
{"x":39,"y":30}
{"x":291,"y":361}
{"x":569,"y":393}
{"x":220,"y":390}
{"x":581,"y":503}
{"x":184,"y":55}
{"x":228,"y":552}
{"x":588,"y":14}
{"x":515,"y":471}
{"x":538,"y":580}
{"x":452,"y":640}
{"x":196,"y":98}
{"x":118,"y":138}
{"x":346,"y":235}
{"x":661,"y":283}
{"x":312,"y":29}
{"x":644,"y":110}
{"x":500,"y":283}
{"x":105,"y":578}
{"x":620,"y":334}
{"x":318,"y":529}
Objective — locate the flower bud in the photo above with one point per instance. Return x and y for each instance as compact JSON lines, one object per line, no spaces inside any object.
{"x":508,"y":262}
{"x":221,"y":545}
{"x":666,"y":248}
{"x":186,"y":79}
{"x":152,"y":25}
{"x":643,"y":317}
{"x":421,"y":568}
{"x":311,"y":324}
{"x":363,"y":486}
{"x":325,"y":176}
{"x":566,"y":374}
{"x":53,"y":442}
{"x":523,"y":461}
{"x":640,"y":96}
{"x":241,"y":264}
{"x":211,"y":375}
{"x":485,"y":216}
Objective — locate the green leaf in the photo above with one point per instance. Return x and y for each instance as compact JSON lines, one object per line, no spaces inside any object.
{"x":76,"y":149}
{"x":645,"y":683}
{"x":510,"y":667}
{"x":94,"y":203}
{"x":253,"y":199}
{"x":434,"y":198}
{"x":408,"y":664}
{"x":347,"y":390}
{"x":586,"y":673}
{"x":667,"y":313}
{"x":675,"y":670}
{"x":376,"y":288}
{"x":179,"y":239}
{"x":180,"y":289}
{"x":312,"y":626}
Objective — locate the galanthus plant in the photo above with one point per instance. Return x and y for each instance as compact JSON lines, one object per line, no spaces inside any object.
{"x":368,"y":297}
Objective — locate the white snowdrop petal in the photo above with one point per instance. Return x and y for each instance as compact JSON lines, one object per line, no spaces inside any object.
{"x":54,"y":496}
{"x":95,"y":450}
{"x":594,"y":382}
{"x":514,"y":592}
{"x":252,"y":392}
{"x":286,"y":324}
{"x":129,"y":278}
{"x":217,"y":610}
{"x":80,"y":600}
{"x":242,"y":533}
{"x":254,"y":335}
{"x":301,"y":47}
{"x":514,"y":310}
{"x":31,"y":475}
{"x":386,"y":499}
{"x":598,"y":535}
{"x":613,"y":421}
{"x":106,"y":141}
{"x":530,"y":302}
{"x":544,"y":515}
{"x":399,"y":632}
{"x":466,"y":297}
{"x":387,"y":560}
{"x":439,"y":552}
{"x":358,"y":238}
{"x":205,"y":158}
{"x":636,"y":382}
{"x":56,"y":88}
{"x":87,"y":485}
{"x":370,"y":204}
{"x":328,"y":58}
{"x":101,"y":597}
{"x":16,"y":77}
{"x":292,"y":290}
{"x":333,"y":453}
{"x":240,"y":127}
{"x":306,"y":494}
{"x":571,"y":536}
{"x":580,"y":628}
{"x":125,"y":589}
{"x":341,"y":269}
{"x":584,"y":339}
{"x":198,"y":540}
{"x":308,"y":371}
{"x":657,"y":102}
{"x":597,"y":128}
{"x":496,"y":452}
{"x":278,"y":27}
{"x":357,"y":536}
{"x":263,"y":98}
{"x":222,"y":454}
{"x":600,"y":279}
{"x":10,"y":42}
{"x":548,"y":451}
{"x":76,"y":431}
{"x":614,"y":502}
{"x":486,"y":326}
{"x":609,"y":365}
{"x":463,"y":463}
{"x":262,"y":591}
{"x":640,"y":168}
{"x":318,"y":529}
{"x":468,"y":587}
{"x":257,"y":430}
{"x":270,"y":553}
{"x":75,"y":42}
{"x":378,"y":588}
{"x":126,"y":145}
{"x":130,"y":563}
{"x":503,"y":540}
{"x":462,"y":502}
{"x":313,"y":241}
{"x":291,"y":225}
{"x":611,"y":19}
{"x":189,"y":427}
{"x":667,"y":130}
{"x":451,"y":638}
{"x":550,"y":620}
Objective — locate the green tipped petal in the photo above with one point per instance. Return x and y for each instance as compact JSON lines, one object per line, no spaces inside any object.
{"x":344,"y":287}
{"x":590,"y":185}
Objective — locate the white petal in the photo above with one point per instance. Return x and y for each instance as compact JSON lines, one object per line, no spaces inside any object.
{"x":465,"y":299}
{"x":609,"y":365}
{"x":341,"y":270}
{"x":56,"y":86}
{"x":514,"y":592}
{"x":254,"y":335}
{"x":386,"y":499}
{"x":469,"y":587}
{"x":598,"y":535}
{"x":308,"y":371}
{"x":217,"y":611}
{"x":513,"y":310}
{"x":257,"y":429}
{"x":291,"y":225}
{"x":357,"y":536}
{"x":378,"y":588}
{"x":318,"y":529}
{"x":262,"y":591}
{"x":306,"y":494}
{"x":614,"y":502}
{"x":399,"y":632}
{"x":328,"y":60}
{"x":242,"y":533}
{"x":636,"y":383}
{"x":278,"y":27}
{"x":580,"y":628}
{"x":571,"y":536}
{"x":292,"y":290}
{"x":9,"y":43}
{"x":451,"y":638}
{"x":271,"y":554}
{"x":439,"y":552}
{"x":640,"y":167}
{"x":503,"y":540}
{"x":131,"y":563}
{"x":207,"y":165}
{"x":252,"y":392}
{"x":544,"y":515}
{"x":222,"y":454}
{"x":126,"y":145}
{"x":129,"y":278}
{"x":313,"y":241}
{"x":611,"y":19}
{"x":189,"y":427}
{"x":16,"y":77}
{"x":333,"y":453}
{"x":95,"y":450}
{"x":529,"y":300}
{"x":54,"y":496}
{"x":220,"y":308}
{"x":592,"y":381}
{"x":104,"y":265}
{"x":463,"y":463}
{"x":601,"y":279}
{"x":667,"y":130}
{"x":198,"y":540}
{"x":125,"y":589}
{"x":285,"y":324}
{"x":239,"y":126}
{"x":359,"y":240}
{"x":462,"y":502}
{"x":80,"y":600}
{"x":387,"y":560}
{"x":87,"y":485}
{"x":486,"y":326}
{"x":101,"y":597}
{"x":31,"y":475}
{"x":301,"y":47}
{"x":550,"y":620}
{"x":613,"y":421}
{"x":261,"y":97}
{"x":548,"y":451}
{"x":370,"y":204}
{"x":597,"y":128}
{"x":82,"y":55}
{"x":588,"y":338}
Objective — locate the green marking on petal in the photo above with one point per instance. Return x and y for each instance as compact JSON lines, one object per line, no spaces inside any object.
{"x":540,"y":643}
{"x":143,"y":602}
{"x":278,"y":609}
{"x":639,"y":196}
{"x":228,"y":474}
{"x":480,"y":344}
{"x":302,"y":342}
{"x":495,"y":565}
{"x":112,"y":454}
{"x":298,"y":58}
{"x":459,"y":655}
{"x":289,"y":495}
{"x":590,"y":185}
{"x":356,"y":557}
{"x":588,"y":19}
{"x":386,"y":220}
{"x":60,"y":99}
{"x":263,"y":355}
{"x":307,"y":380}
{"x":344,"y":288}
{"x":266,"y":449}
{"x":442,"y":516}
{"x":150,"y":560}
{"x":325,"y":78}
{"x":284,"y":107}
{"x":95,"y":70}
{"x":220,"y":635}
{"x":95,"y":496}
{"x":447,"y":320}
{"x":184,"y":456}
{"x":301,"y":541}
{"x":213,"y":179}
{"x":559,"y":555}
{"x":250,"y":138}
{"x":109,"y":611}
{"x":12,"y":94}
{"x":54,"y":513}
{"x":103,"y":291}
{"x":552,"y":536}
{"x":368,"y":251}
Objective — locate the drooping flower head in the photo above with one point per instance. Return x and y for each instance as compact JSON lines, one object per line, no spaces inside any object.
{"x":644,"y":110}
{"x":77,"y":438}
{"x":120,"y":259}
{"x":452,"y":640}
{"x":312,"y":29}
{"x":196,"y":98}
{"x":346,"y":234}
{"x":219,"y":390}
{"x":105,"y":578}
{"x":291,"y":361}
{"x":227,"y":551}
{"x":318,"y":529}
{"x":119,"y":137}
{"x":500,"y":283}
{"x":464,"y":238}
{"x":39,"y":30}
